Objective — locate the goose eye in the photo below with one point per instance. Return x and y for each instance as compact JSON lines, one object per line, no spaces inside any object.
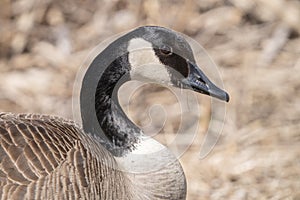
{"x":166,"y":51}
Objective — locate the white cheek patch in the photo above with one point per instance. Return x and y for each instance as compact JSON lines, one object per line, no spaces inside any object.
{"x":145,"y":65}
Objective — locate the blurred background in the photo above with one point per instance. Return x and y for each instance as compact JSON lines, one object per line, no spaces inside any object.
{"x":255,"y":43}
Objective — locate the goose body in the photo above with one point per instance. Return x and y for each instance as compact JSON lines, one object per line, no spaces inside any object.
{"x":108,"y":156}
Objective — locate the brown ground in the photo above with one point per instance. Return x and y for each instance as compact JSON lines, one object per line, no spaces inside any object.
{"x":256,"y":44}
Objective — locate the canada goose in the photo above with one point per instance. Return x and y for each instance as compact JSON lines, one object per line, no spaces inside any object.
{"x":46,"y":157}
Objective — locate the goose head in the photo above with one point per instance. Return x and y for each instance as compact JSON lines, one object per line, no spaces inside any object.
{"x":164,"y":56}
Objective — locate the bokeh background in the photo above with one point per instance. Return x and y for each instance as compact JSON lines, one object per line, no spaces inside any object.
{"x":255,"y":43}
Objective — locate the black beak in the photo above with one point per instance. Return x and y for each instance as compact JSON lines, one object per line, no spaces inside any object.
{"x":199,"y":82}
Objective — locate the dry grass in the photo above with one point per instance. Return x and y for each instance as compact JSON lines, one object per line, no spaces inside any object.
{"x":256,"y":43}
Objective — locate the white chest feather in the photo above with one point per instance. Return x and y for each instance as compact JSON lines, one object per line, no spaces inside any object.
{"x":148,"y":156}
{"x":145,"y":65}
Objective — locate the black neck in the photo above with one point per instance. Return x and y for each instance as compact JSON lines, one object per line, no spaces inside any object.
{"x":101,"y":114}
{"x":121,"y":133}
{"x":100,"y":111}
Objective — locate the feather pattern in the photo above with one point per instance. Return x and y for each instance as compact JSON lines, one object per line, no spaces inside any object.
{"x":43,"y":157}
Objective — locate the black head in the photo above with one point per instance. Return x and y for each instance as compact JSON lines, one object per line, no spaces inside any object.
{"x":162,"y":55}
